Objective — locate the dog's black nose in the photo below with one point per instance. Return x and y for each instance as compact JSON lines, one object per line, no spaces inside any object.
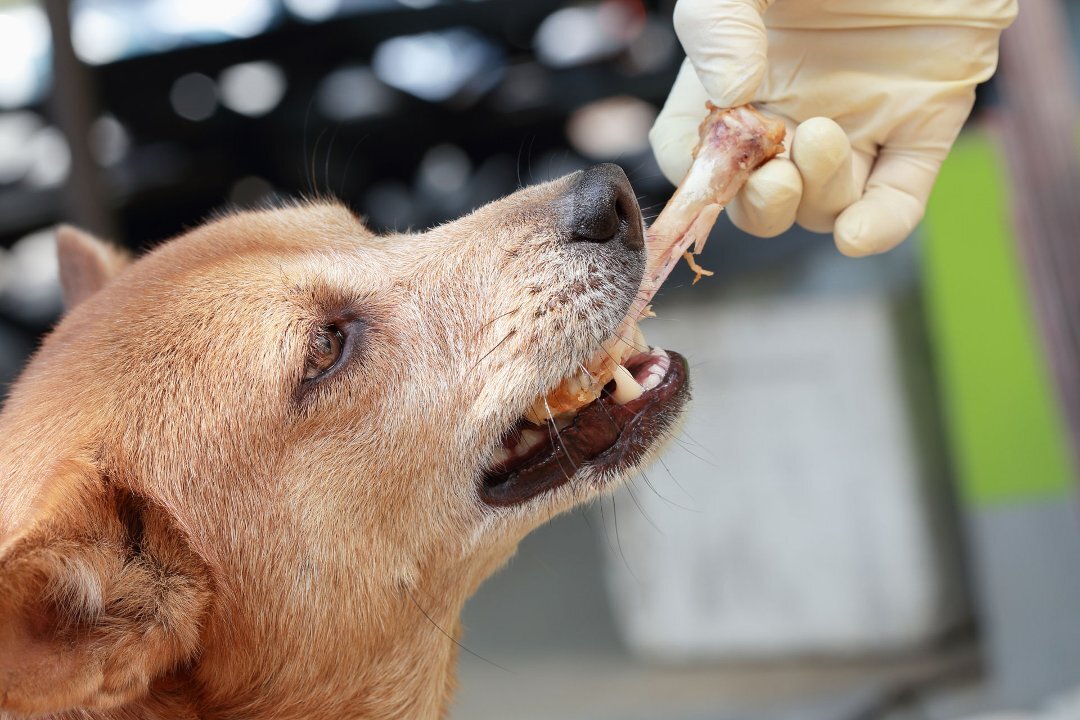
{"x":604,"y":208}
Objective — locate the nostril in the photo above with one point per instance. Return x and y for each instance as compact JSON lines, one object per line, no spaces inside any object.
{"x":598,"y":223}
{"x":622,"y":206}
{"x":604,"y":206}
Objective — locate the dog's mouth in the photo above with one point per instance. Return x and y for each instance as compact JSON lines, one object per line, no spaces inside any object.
{"x":608,"y":435}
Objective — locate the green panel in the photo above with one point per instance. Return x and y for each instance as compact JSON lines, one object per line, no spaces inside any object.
{"x":1006,"y":431}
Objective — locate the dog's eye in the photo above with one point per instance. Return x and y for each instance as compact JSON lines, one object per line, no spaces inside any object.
{"x":325,"y":351}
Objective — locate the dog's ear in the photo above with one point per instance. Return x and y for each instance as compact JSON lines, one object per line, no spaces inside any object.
{"x":98,"y":599}
{"x":86,"y":263}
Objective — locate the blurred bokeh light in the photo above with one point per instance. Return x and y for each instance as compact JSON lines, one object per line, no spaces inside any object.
{"x":24,"y":54}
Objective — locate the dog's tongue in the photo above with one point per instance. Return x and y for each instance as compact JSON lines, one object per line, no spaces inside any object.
{"x":734,"y":142}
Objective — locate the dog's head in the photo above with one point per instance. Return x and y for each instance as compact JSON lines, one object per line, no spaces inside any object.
{"x":258,"y":464}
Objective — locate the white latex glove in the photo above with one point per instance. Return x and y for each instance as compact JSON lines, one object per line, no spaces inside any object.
{"x":874,"y":93}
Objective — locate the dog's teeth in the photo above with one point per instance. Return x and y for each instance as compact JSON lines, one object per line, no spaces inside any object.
{"x":652,"y":381}
{"x":538,"y":414}
{"x":626,"y":387}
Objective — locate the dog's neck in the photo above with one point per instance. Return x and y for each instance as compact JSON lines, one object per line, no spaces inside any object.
{"x":412,"y":678}
{"x":399,"y":663}
{"x":417,"y":685}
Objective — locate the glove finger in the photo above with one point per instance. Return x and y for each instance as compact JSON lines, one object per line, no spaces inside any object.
{"x":893,"y":204}
{"x":861,"y":165}
{"x":901,"y":179}
{"x":726,"y":41}
{"x":675,"y":133}
{"x":767,"y":204}
{"x":822,"y":153}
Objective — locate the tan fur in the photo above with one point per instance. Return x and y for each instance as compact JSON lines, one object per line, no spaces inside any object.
{"x":184,"y":533}
{"x":85,"y":263}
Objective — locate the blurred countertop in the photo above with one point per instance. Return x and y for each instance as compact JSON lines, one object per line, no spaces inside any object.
{"x":550,"y":650}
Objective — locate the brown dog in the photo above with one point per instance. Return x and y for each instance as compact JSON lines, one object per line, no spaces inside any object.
{"x":257,"y":472}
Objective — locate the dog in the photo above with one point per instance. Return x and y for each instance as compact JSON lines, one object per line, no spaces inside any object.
{"x":258,"y":471}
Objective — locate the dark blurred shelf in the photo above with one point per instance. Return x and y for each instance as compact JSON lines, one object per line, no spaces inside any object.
{"x":196,"y":163}
{"x":24,"y":209}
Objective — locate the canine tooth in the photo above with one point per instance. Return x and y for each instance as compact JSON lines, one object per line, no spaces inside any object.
{"x":626,"y":387}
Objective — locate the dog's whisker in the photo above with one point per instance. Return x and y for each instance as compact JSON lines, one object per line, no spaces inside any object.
{"x":600,"y":346}
{"x":497,"y":346}
{"x":632,"y":343}
{"x":558,"y":437}
{"x":314,"y":159}
{"x":630,"y":485}
{"x":448,"y":635}
{"x":497,"y":317}
{"x":603,"y":521}
{"x":618,"y":539}
{"x":348,"y":164}
{"x":677,"y":483}
{"x":691,"y":452}
{"x":304,"y":157}
{"x":528,"y":156}
{"x":600,"y":497}
{"x":517,"y":165}
{"x":329,"y":155}
{"x":580,"y":511}
{"x":602,"y":394}
{"x":691,"y":438}
{"x":663,"y":497}
{"x":711,"y":458}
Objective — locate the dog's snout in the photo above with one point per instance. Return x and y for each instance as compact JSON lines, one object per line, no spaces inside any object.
{"x":604,"y":208}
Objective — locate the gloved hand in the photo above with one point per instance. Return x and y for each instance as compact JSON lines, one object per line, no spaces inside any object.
{"x":874,"y":93}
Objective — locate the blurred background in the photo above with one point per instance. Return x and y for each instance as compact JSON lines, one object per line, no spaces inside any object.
{"x":871,"y":512}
